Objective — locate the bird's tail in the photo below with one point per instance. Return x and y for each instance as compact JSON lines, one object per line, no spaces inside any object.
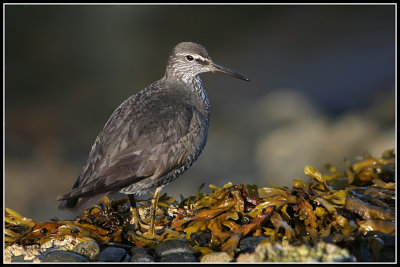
{"x":77,"y":204}
{"x":79,"y":198}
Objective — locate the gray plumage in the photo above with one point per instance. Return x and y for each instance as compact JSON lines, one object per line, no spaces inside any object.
{"x":153,"y":136}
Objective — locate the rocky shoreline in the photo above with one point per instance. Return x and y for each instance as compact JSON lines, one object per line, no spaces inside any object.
{"x":336,"y":217}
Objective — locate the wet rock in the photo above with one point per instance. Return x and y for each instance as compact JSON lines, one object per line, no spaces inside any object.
{"x":387,"y":174}
{"x":179,"y":257}
{"x":201,"y":240}
{"x":195,"y":237}
{"x":333,"y":253}
{"x":127,"y":258}
{"x":112,"y":254}
{"x":360,"y":249}
{"x":376,"y":245}
{"x":63,"y":256}
{"x":140,"y":254}
{"x":388,"y":251}
{"x":19,"y":253}
{"x":89,"y":249}
{"x":19,"y":259}
{"x":388,"y":254}
{"x":205,"y":238}
{"x":68,"y":243}
{"x":248,"y":244}
{"x":173,"y":246}
{"x":322,"y":252}
{"x":216,"y":257}
{"x":388,"y":240}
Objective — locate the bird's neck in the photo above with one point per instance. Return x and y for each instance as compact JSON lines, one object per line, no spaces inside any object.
{"x":196,"y":88}
{"x":197,"y":85}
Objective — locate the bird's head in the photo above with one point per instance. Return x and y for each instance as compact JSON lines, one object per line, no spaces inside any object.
{"x":189,"y":59}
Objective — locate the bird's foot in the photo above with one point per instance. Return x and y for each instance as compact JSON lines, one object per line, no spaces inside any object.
{"x":135,"y":220}
{"x":152,"y":234}
{"x":146,"y":228}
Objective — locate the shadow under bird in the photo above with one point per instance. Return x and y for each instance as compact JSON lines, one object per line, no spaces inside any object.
{"x":153,"y":136}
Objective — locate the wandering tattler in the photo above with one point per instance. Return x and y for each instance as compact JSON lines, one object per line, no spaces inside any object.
{"x":153,"y":136}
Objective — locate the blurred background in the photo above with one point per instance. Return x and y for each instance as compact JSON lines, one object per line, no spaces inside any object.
{"x":322,"y":89}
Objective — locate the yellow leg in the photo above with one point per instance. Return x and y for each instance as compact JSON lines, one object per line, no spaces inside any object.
{"x":153,"y":208}
{"x":135,"y":220}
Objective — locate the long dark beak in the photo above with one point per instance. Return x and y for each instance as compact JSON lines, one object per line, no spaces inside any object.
{"x":219,"y":68}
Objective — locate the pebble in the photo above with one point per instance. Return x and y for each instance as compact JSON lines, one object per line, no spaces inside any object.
{"x":112,"y":254}
{"x":389,"y":254}
{"x":273,"y":252}
{"x":18,"y":253}
{"x":200,"y":240}
{"x":127,"y":258}
{"x":376,"y":245}
{"x":179,"y":257}
{"x":249,"y":244}
{"x":173,"y":246}
{"x":19,"y":259}
{"x":89,"y":249}
{"x":216,"y":257}
{"x":140,"y":254}
{"x":63,"y":256}
{"x":204,"y":239}
{"x":389,"y":240}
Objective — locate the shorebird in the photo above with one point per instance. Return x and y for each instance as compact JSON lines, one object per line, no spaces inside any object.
{"x":153,"y":136}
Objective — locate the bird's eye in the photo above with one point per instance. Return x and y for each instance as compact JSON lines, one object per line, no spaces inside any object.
{"x":189,"y":57}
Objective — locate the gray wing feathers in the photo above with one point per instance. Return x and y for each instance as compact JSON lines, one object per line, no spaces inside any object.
{"x":132,"y":147}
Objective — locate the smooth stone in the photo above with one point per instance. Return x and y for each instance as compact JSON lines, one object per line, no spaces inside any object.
{"x":388,"y":254}
{"x":127,"y":258}
{"x":248,"y":244}
{"x":204,"y":239}
{"x":19,"y":258}
{"x":112,"y":254}
{"x":173,"y":246}
{"x":179,"y":257}
{"x":140,"y":254}
{"x":389,"y":240}
{"x":216,"y":257}
{"x":142,"y":258}
{"x":89,"y":249}
{"x":63,"y":256}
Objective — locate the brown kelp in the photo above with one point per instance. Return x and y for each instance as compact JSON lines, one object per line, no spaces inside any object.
{"x":353,"y":211}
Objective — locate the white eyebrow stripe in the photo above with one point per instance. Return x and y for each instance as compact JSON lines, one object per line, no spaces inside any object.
{"x":199,"y":57}
{"x":194,"y":56}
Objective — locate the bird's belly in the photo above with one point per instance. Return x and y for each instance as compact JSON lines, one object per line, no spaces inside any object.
{"x":144,"y":185}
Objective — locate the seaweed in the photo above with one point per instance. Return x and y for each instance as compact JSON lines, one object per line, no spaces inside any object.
{"x":341,"y":208}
